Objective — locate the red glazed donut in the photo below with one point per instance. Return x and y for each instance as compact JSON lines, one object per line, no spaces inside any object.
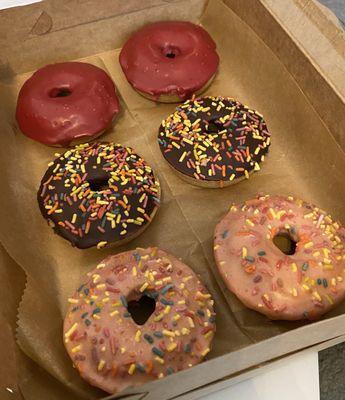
{"x":169,"y":61}
{"x":66,"y":103}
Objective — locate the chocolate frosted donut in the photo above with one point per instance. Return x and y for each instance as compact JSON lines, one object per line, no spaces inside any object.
{"x":169,"y":61}
{"x":62,"y":104}
{"x":282,"y":257}
{"x":214,"y":141}
{"x":139,"y":316}
{"x":99,"y":193}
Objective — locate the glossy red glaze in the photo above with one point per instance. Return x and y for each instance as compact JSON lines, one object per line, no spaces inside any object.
{"x":169,"y":58}
{"x":65,"y":102}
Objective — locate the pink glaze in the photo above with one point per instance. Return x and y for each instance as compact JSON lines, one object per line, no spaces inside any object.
{"x":87,"y":110}
{"x":169,"y":58}
{"x":306,"y":284}
{"x":109,"y":349}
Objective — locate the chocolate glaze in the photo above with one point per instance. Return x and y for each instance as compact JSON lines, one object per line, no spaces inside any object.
{"x":214,"y":139}
{"x":174,"y":58}
{"x":88,"y":186}
{"x":66,"y":101}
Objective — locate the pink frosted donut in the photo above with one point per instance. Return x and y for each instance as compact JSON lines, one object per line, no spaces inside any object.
{"x":282,"y":257}
{"x":140,"y":315}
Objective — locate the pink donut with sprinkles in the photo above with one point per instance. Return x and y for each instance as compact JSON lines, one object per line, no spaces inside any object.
{"x":282,"y":257}
{"x":140,"y":315}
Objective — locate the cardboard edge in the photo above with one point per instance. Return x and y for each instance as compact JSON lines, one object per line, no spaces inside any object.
{"x":321,"y":83}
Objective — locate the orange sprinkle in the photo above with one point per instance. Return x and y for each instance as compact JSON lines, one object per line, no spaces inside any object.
{"x":56,"y":205}
{"x":87,"y":227}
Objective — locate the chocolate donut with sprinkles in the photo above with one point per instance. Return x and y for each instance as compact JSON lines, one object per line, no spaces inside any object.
{"x":99,"y":194}
{"x":282,"y":257}
{"x":115,"y":343}
{"x":214,"y":141}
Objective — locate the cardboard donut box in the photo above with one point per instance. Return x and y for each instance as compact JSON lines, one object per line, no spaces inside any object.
{"x":283,"y":58}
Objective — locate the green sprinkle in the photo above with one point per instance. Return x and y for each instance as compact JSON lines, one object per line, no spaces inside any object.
{"x":305,"y":266}
{"x":158,"y":352}
{"x":149,"y":338}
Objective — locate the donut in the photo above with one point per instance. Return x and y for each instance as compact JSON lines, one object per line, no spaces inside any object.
{"x":282,"y":257}
{"x":67,"y":103}
{"x":140,"y":315}
{"x":99,"y":194}
{"x":214,"y":141}
{"x":169,"y":61}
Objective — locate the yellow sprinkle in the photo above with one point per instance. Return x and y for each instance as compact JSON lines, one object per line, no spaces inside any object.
{"x":306,"y":287}
{"x":294,"y":267}
{"x":114,"y":313}
{"x":185,"y":331}
{"x":244,"y":252}
{"x":143,"y":287}
{"x":181,"y":302}
{"x":176,"y":317}
{"x":249,"y":222}
{"x":317,"y":296}
{"x":158,"y":317}
{"x":168,"y":333}
{"x":294,"y":292}
{"x":71,"y":330}
{"x":190,"y":321}
{"x":316,"y":254}
{"x":328,"y":267}
{"x":327,"y":261}
{"x":73,"y":301}
{"x":76,"y":348}
{"x":100,"y":286}
{"x":123,"y":350}
{"x":134,"y":271}
{"x":171,"y":347}
{"x":74,"y":218}
{"x":308,"y":245}
{"x":101,"y":244}
{"x":329,"y":299}
{"x":167,"y":310}
{"x":204,"y":352}
{"x":160,"y":360}
{"x":101,"y":365}
{"x":187,"y":278}
{"x":216,"y":247}
{"x":183,"y":156}
{"x":246,"y":174}
{"x":131,"y":369}
{"x":208,"y":334}
{"x":138,"y":336}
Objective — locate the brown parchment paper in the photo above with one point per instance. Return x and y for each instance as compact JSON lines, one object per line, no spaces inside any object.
{"x":304,"y":160}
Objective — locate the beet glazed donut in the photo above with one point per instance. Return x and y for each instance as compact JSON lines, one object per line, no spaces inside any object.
{"x":169,"y":61}
{"x":67,"y":103}
{"x":214,"y":141}
{"x":99,"y":193}
{"x":141,"y":315}
{"x":282,"y":257}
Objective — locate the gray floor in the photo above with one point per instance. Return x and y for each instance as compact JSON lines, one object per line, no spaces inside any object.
{"x":332,"y":361}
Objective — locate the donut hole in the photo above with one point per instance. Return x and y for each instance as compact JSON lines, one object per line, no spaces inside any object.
{"x":171,"y":52}
{"x":141,"y":309}
{"x":214,"y":126}
{"x":99,"y":185}
{"x":60,"y":92}
{"x":285,"y":243}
